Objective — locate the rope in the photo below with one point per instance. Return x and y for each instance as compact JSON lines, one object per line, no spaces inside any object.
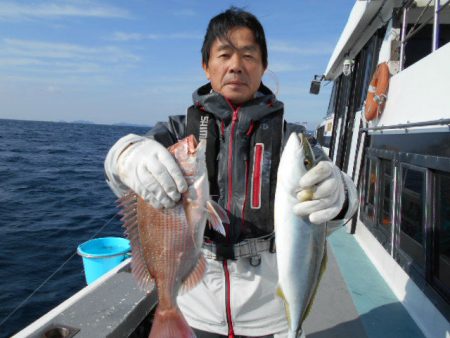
{"x":51,"y":276}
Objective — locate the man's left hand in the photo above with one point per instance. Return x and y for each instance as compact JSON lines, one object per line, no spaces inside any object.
{"x":322,"y":193}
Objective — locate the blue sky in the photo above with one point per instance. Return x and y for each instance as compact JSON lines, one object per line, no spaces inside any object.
{"x":139,"y":61}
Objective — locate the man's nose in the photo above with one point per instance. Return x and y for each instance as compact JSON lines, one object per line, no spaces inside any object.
{"x":235,"y":64}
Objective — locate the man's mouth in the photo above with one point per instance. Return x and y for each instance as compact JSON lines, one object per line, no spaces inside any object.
{"x":235,"y":83}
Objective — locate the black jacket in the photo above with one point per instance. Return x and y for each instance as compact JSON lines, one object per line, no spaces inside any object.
{"x":243,"y":151}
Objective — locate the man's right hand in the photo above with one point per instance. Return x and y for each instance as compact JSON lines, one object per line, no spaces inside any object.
{"x":147,"y":168}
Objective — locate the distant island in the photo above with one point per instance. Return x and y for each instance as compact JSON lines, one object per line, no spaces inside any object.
{"x":118,"y":124}
{"x":83,"y":122}
{"x":125,"y":124}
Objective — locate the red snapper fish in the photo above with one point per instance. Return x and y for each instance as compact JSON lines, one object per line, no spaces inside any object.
{"x":166,"y":243}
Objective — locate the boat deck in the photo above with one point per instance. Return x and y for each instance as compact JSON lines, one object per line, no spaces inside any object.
{"x":353,"y":300}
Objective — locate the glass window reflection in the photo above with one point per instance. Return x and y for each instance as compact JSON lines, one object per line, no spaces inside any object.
{"x":442,"y":232}
{"x":411,"y":215}
{"x":371,"y":181}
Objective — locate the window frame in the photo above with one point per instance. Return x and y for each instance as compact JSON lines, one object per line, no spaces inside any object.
{"x":443,"y":289}
{"x":431,"y":166}
{"x":400,"y":255}
{"x":384,"y":237}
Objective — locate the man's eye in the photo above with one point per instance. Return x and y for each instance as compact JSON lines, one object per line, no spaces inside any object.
{"x":224,"y":55}
{"x":248,"y":56}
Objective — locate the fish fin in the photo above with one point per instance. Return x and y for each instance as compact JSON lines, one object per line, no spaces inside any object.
{"x":280,"y":294}
{"x":195,"y":276}
{"x":216,"y":216}
{"x":139,"y":269}
{"x":170,"y":323}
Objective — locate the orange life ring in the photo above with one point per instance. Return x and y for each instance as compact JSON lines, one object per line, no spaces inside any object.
{"x":376,"y":95}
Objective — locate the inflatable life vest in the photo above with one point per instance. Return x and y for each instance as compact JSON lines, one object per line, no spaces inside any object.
{"x":376,"y":95}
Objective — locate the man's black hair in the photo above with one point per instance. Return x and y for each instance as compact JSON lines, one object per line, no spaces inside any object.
{"x":221,"y":24}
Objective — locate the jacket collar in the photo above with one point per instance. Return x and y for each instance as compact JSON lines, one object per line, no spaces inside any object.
{"x":264,"y":103}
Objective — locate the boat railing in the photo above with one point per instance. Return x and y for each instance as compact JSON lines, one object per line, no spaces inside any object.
{"x":406,"y":36}
{"x":408,"y":125}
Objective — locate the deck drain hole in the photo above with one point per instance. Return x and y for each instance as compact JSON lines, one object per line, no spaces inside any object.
{"x":60,"y":332}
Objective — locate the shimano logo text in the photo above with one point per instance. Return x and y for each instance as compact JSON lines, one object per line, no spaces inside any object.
{"x":203,"y":134}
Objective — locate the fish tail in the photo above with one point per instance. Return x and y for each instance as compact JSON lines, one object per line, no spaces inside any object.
{"x":298,"y":334}
{"x":170,"y":323}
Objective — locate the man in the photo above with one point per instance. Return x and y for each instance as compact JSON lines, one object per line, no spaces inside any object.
{"x":243,"y":124}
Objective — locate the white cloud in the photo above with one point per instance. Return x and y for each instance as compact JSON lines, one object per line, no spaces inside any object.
{"x":62,"y":68}
{"x":15,"y":11}
{"x":280,"y":67}
{"x":122,"y":36}
{"x":28,"y":61}
{"x":31,"y":49}
{"x":295,"y":91}
{"x":317,"y":48}
{"x":15,"y":62}
{"x":185,"y":12}
{"x":53,"y":89}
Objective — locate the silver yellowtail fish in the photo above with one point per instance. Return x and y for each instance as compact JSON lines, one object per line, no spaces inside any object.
{"x":301,"y":245}
{"x":166,"y":243}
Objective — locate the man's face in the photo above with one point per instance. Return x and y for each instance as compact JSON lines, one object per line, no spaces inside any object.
{"x":235,"y":70}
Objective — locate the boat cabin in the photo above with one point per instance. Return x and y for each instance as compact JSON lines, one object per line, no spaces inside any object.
{"x":398,"y":155}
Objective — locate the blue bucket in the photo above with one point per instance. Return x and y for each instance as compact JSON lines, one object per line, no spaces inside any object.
{"x":102,"y":254}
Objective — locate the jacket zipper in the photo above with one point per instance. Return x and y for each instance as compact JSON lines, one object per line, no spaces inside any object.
{"x":230,"y":162}
{"x":230,"y":198}
{"x":228,"y":299}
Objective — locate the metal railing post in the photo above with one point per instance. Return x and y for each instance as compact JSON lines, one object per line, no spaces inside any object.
{"x":402,"y":42}
{"x":435,"y":45}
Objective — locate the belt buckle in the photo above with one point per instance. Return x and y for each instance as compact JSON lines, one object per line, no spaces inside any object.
{"x":255,"y":260}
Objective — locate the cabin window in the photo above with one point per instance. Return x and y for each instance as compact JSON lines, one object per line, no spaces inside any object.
{"x":368,"y":70}
{"x":419,"y":45}
{"x":386,"y":197}
{"x":333,"y":98}
{"x":441,"y":254}
{"x":412,"y":237}
{"x":419,"y":31}
{"x":405,"y":205}
{"x":323,"y":134}
{"x":367,"y":63}
{"x":385,"y":212}
{"x":377,"y":199}
{"x":370,"y":186}
{"x":343,"y":95}
{"x":319,"y":135}
{"x":354,"y":86}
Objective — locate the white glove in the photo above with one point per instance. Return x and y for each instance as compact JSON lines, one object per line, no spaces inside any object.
{"x":322,"y":193}
{"x":147,"y":168}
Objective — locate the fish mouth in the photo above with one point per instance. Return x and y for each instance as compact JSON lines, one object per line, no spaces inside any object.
{"x":191,"y":144}
{"x":302,"y":138}
{"x":195,"y":146}
{"x":309,"y":159}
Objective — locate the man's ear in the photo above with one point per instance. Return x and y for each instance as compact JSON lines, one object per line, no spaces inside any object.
{"x":205,"y":69}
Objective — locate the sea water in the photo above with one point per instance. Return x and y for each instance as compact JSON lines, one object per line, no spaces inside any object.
{"x":53,"y":197}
